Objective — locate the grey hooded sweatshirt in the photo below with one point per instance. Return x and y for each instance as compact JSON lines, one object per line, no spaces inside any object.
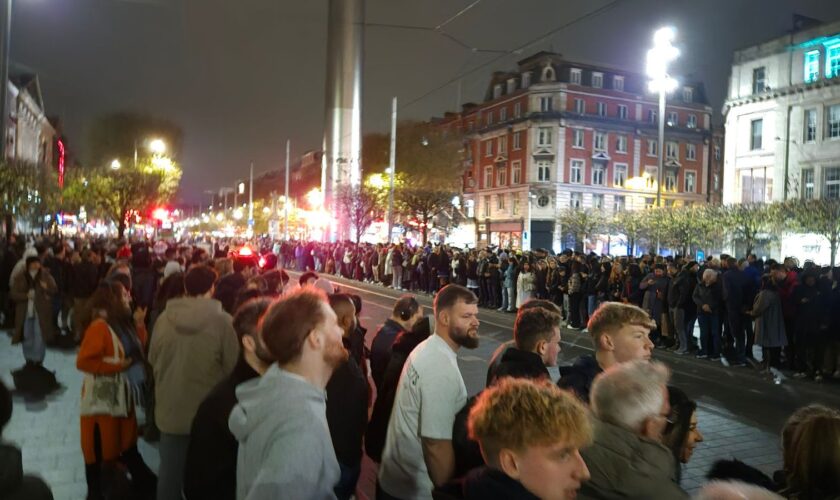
{"x":285,"y":450}
{"x":194,"y":347}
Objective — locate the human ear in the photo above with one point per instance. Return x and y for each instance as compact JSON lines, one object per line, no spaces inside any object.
{"x":249,"y":343}
{"x":507,"y":462}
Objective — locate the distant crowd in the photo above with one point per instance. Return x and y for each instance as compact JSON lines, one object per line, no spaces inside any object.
{"x":260,"y":386}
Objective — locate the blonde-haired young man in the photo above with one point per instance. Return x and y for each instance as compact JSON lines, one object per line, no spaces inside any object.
{"x":620,"y":333}
{"x":530,"y":434}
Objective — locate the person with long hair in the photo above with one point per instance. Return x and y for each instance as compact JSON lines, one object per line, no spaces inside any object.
{"x":681,"y":434}
{"x":615,"y":283}
{"x":525,"y":284}
{"x":575,"y":294}
{"x":113,"y":343}
{"x":770,"y":331}
{"x":813,"y":462}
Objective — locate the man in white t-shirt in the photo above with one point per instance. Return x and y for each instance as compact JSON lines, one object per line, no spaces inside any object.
{"x":418,"y":451}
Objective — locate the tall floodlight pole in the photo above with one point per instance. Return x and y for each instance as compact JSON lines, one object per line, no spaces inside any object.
{"x":343,"y":121}
{"x":5,"y":43}
{"x":392,"y":168}
{"x":659,"y":57}
{"x":286,"y":196}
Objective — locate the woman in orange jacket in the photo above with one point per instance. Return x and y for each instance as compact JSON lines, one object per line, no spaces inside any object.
{"x":106,"y":438}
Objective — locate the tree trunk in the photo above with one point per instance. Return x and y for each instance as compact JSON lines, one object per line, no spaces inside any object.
{"x":833,"y":244}
{"x":121,"y":225}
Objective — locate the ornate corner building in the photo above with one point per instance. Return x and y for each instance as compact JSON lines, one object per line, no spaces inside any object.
{"x":557,"y":134}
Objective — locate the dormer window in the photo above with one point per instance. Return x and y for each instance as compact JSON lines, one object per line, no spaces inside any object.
{"x":511,"y":85}
{"x":574,"y":76}
{"x":497,"y":91}
{"x":597,"y":80}
{"x":688,"y":94}
{"x":618,"y":83}
{"x":548,"y":74}
{"x":526,"y":80}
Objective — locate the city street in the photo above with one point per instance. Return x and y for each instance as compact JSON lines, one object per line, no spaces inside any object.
{"x":740,"y":414}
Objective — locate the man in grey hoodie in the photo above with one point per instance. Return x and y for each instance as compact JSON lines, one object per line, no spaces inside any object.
{"x":193,"y":348}
{"x":280,"y":421}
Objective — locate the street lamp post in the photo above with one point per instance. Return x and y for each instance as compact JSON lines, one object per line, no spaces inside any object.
{"x":658,"y":59}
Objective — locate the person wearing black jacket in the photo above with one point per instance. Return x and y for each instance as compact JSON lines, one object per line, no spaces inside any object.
{"x":377,"y":428}
{"x":620,"y":333}
{"x":347,"y":404}
{"x":84,"y":277}
{"x":210,"y":468}
{"x":228,"y":287}
{"x":684,"y":309}
{"x":407,"y":311}
{"x":734,"y":282}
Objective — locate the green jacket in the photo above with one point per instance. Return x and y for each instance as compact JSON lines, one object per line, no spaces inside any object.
{"x":626,"y":466}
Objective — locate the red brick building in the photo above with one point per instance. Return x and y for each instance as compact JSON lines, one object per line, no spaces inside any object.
{"x":555,"y":134}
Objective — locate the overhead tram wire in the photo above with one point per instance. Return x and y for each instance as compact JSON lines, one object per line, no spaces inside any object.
{"x":518,"y":50}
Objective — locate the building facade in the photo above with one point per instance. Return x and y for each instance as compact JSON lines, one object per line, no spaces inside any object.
{"x":557,"y":134}
{"x":783,"y":118}
{"x":30,"y":137}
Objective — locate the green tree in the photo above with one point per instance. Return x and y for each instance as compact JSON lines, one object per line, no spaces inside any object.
{"x":28,"y":192}
{"x":632,"y":225}
{"x":686,"y":227}
{"x":820,"y":216}
{"x":582,"y":223}
{"x":429,"y":168}
{"x":750,"y":224}
{"x":113,"y":194}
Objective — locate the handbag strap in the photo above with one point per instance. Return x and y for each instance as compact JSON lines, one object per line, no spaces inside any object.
{"x":119,"y":352}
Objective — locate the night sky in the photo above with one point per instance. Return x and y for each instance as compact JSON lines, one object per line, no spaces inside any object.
{"x":242,"y":76}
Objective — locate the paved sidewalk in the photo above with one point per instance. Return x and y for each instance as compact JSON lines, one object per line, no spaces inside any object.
{"x":47,"y":431}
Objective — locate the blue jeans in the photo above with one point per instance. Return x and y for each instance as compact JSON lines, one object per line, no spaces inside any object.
{"x":709,"y":334}
{"x":505,"y":298}
{"x":346,"y":486}
{"x":33,"y":340}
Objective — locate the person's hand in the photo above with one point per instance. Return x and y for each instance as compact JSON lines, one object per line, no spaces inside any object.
{"x":707,"y":308}
{"x":43,"y":284}
{"x":140,"y":315}
{"x":126,"y":362}
{"x":650,"y":282}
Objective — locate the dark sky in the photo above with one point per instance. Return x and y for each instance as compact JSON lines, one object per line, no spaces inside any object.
{"x":242,"y":76}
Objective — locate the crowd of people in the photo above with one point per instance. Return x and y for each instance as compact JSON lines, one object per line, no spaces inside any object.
{"x":787,"y":312}
{"x":260,"y":386}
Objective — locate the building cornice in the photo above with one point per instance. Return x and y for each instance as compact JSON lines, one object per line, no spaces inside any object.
{"x":772,"y":94}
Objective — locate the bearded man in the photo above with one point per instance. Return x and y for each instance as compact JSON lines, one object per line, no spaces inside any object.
{"x":418,"y":453}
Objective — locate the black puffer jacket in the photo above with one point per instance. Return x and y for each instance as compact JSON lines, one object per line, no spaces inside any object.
{"x":578,"y":377}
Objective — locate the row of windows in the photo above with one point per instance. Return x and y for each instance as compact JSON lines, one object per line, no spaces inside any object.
{"x":672,"y":120}
{"x":598,"y":175}
{"x":546,"y":105}
{"x":832,"y":123}
{"x":619,"y":202}
{"x":830,"y":188}
{"x":501,"y":145}
{"x":832,"y":61}
{"x":575,"y":201}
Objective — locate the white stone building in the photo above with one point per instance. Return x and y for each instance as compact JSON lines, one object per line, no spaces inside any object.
{"x":783,"y":119}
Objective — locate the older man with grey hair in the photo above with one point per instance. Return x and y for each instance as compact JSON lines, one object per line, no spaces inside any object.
{"x":627,"y":458}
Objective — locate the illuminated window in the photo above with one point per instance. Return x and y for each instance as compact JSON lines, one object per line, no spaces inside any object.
{"x":487,"y":206}
{"x":832,"y":59}
{"x":575,"y":200}
{"x":598,"y":201}
{"x":690,"y":152}
{"x":672,"y":150}
{"x":514,"y":204}
{"x":653,"y":148}
{"x":688,"y":94}
{"x":812,"y":65}
{"x":673,"y":119}
{"x":670,"y":181}
{"x":500,"y":202}
{"x":619,"y":202}
{"x":692,"y":121}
